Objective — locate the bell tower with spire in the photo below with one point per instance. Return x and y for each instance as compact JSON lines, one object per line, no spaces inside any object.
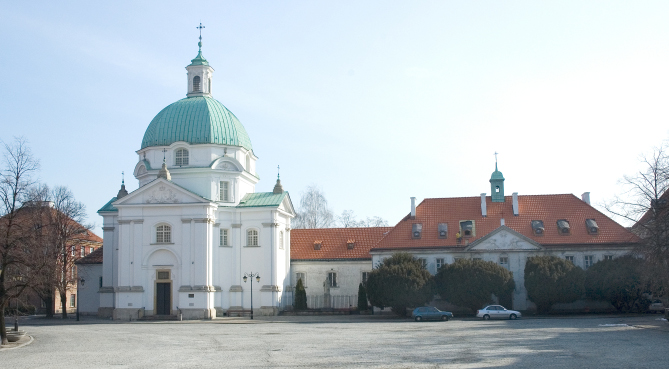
{"x":497,"y":184}
{"x":199,"y":73}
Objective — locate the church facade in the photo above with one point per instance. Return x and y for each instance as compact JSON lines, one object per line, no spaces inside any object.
{"x":194,"y":237}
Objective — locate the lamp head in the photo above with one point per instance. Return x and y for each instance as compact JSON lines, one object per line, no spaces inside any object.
{"x":258,"y":279}
{"x":245,"y":278}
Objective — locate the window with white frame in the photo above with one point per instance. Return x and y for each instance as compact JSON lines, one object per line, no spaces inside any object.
{"x":83,"y":251}
{"x":181,"y":157}
{"x":440,"y":263}
{"x":608,"y":257}
{"x":504,"y":261}
{"x":365,"y":277}
{"x":224,"y":191}
{"x":423,"y":262}
{"x":224,"y":238}
{"x":252,"y":237}
{"x":332,"y":279}
{"x":74,"y":251}
{"x":73,"y":300}
{"x":281,"y":239}
{"x":196,"y":84}
{"x":163,"y":234}
{"x":302,"y":276}
{"x":570,"y":258}
{"x":588,"y":261}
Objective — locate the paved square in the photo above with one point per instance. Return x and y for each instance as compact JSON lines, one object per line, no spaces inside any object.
{"x":345,"y":342}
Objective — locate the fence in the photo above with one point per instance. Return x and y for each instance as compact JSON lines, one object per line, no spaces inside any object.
{"x":336,"y":302}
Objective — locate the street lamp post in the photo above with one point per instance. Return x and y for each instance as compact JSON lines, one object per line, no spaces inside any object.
{"x":78,"y":292}
{"x":251,"y":275}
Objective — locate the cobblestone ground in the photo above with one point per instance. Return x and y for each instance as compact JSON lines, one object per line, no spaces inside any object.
{"x":346,"y":342}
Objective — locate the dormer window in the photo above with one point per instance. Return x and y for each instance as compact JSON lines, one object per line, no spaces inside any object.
{"x":443,"y":230}
{"x":538,"y":227}
{"x":416,"y":230}
{"x":181,"y":157}
{"x":467,"y":228}
{"x":350,"y":244}
{"x":592,"y":226}
{"x":317,"y":245}
{"x":196,"y":84}
{"x":563,"y":227}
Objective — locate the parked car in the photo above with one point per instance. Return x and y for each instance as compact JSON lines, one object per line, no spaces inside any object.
{"x":656,"y":306}
{"x":430,"y":313}
{"x":497,"y":312}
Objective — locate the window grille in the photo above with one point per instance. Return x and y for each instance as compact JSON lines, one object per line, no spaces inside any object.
{"x":196,"y":83}
{"x":332,"y":279}
{"x":163,"y":234}
{"x":252,"y":237}
{"x":301,"y":276}
{"x":440,"y":263}
{"x":225,"y":191}
{"x":181,"y":157}
{"x":588,"y":261}
{"x":224,"y":237}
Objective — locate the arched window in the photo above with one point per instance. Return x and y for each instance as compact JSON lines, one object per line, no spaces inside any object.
{"x":252,"y":237}
{"x":209,"y":85}
{"x":248,"y":163}
{"x":181,"y":157}
{"x":281,"y":240}
{"x":196,"y":83}
{"x":163,"y":234}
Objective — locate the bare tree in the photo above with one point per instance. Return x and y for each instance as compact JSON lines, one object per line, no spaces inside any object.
{"x":347,"y":219}
{"x":313,"y":211}
{"x":645,"y":202}
{"x":17,"y":232}
{"x":68,"y":236}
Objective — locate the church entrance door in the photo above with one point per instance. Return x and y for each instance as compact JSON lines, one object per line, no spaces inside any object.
{"x":163,"y":298}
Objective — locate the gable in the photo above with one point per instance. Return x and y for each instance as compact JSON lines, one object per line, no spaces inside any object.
{"x":504,"y":238}
{"x":160,"y":191}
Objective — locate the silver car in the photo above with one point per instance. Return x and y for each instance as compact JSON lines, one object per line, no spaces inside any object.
{"x":497,"y":312}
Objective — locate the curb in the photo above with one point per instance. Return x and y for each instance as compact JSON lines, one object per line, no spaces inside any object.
{"x":19,"y":345}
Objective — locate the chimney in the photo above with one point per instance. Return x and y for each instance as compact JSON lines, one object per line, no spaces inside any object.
{"x":515,"y":203}
{"x":484,"y":210}
{"x":413,"y":208}
{"x":501,"y":222}
{"x":586,"y":197}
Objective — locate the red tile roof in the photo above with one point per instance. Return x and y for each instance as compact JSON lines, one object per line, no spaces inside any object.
{"x":334,"y":242}
{"x":94,"y":257}
{"x":548,"y":208}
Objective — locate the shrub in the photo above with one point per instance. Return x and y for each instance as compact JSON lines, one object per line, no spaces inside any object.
{"x":400,"y":282}
{"x":471,"y":283}
{"x":300,"y":296}
{"x":550,"y":280}
{"x":619,"y":281}
{"x":362,"y":298}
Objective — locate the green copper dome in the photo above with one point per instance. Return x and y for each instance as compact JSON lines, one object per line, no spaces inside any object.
{"x":196,"y":120}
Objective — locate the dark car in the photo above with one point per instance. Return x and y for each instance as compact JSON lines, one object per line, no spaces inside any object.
{"x":430,"y":313}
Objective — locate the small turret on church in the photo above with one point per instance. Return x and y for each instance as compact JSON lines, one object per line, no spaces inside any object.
{"x":497,"y":185}
{"x":199,"y":73}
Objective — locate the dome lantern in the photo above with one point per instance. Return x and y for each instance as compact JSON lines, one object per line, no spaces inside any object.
{"x":199,"y":73}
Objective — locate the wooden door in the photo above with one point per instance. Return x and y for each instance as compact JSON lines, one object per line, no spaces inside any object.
{"x":163,"y":298}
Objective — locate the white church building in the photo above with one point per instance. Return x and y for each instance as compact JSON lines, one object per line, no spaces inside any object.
{"x":183,"y":242}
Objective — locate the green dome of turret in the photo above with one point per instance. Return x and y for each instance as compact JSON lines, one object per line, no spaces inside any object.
{"x":196,"y":120}
{"x":496,"y":174}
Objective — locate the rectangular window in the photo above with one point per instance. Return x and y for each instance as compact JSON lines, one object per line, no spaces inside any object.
{"x":303,"y":277}
{"x":423,"y":262}
{"x":608,"y":257}
{"x":365,"y":275}
{"x":100,"y":282}
{"x":588,"y":261}
{"x":570,"y":258}
{"x":223,"y":239}
{"x":74,"y":252}
{"x":440,"y":263}
{"x":225,"y":191}
{"x":332,"y":279}
{"x":281,"y":240}
{"x":163,"y":275}
{"x":83,"y":251}
{"x":504,"y":261}
{"x":73,"y":300}
{"x":478,"y":259}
